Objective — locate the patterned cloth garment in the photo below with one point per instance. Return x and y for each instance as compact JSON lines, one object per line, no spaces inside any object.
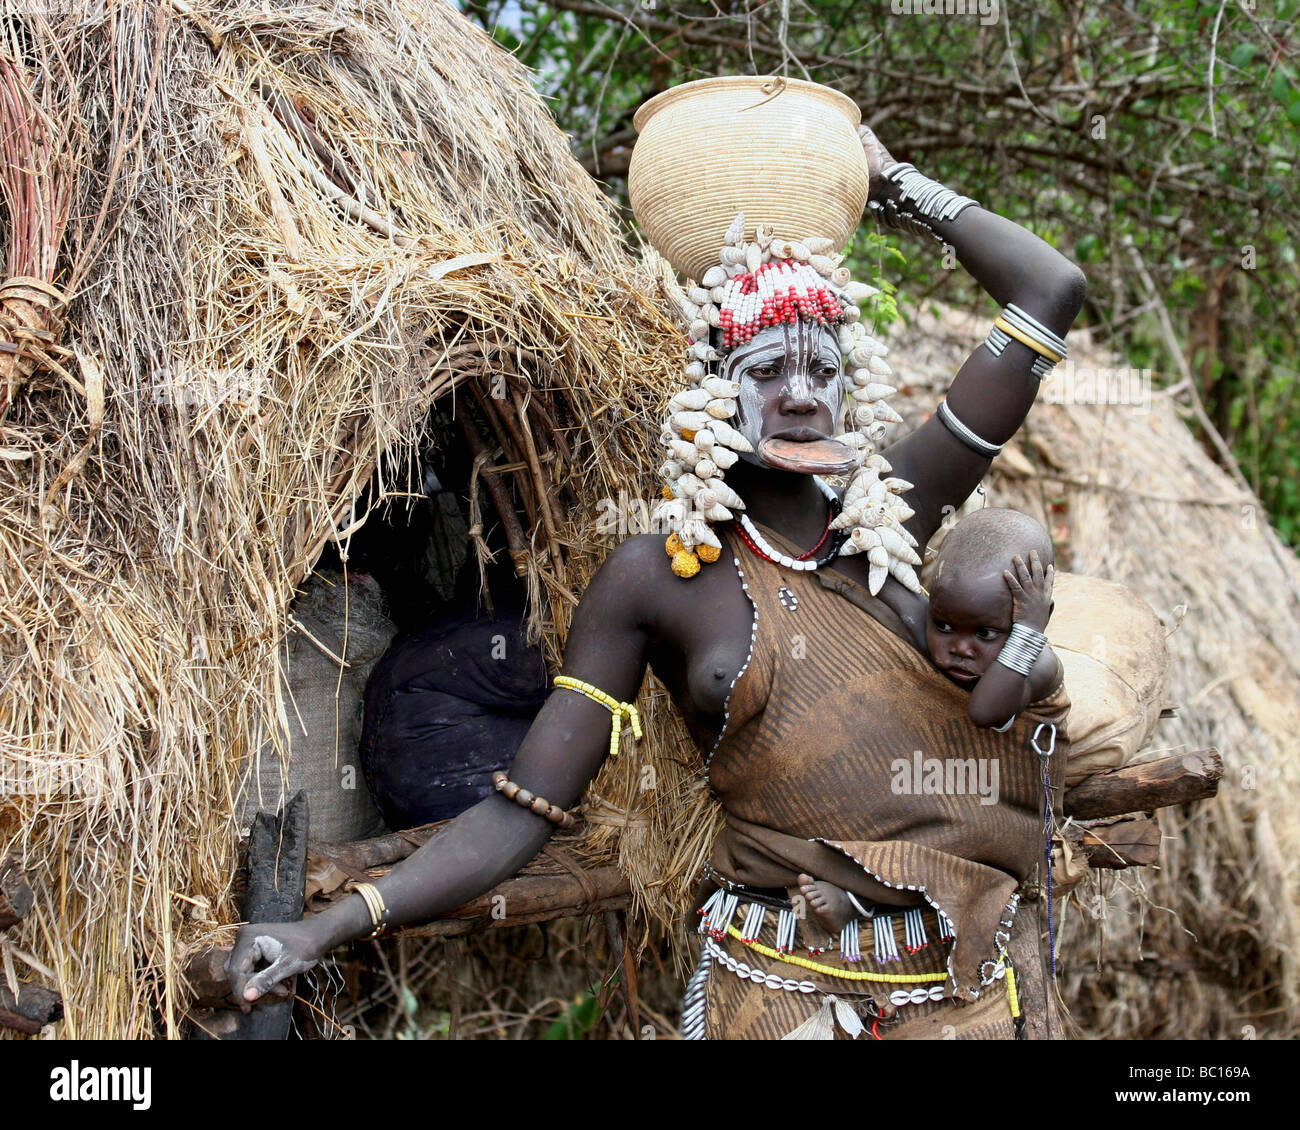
{"x":844,"y":754}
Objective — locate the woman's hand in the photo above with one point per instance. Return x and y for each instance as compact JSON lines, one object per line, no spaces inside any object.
{"x":879,"y":160}
{"x":287,"y":948}
{"x":1031,"y":590}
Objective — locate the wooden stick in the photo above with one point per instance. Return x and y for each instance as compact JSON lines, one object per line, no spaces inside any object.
{"x":34,"y":1008}
{"x":16,"y":899}
{"x":515,"y":542}
{"x":1166,"y":781}
{"x":1116,"y":842}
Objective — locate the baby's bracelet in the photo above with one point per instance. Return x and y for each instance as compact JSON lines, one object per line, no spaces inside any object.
{"x":1022,"y":649}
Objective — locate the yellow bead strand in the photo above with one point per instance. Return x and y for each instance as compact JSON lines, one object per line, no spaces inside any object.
{"x":618,"y":709}
{"x":831,"y":971}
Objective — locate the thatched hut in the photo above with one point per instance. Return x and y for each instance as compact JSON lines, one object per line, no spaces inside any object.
{"x":271,"y":242}
{"x":260,"y":262}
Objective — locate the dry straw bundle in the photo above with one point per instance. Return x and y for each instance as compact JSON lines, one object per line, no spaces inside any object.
{"x":285,"y":232}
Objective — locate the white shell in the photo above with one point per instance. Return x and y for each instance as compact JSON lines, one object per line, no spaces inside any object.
{"x":725,"y":494}
{"x":876,"y":577}
{"x":700,"y":330}
{"x":753,"y":257}
{"x":861,"y":395}
{"x":714,"y":276}
{"x":713,"y":316}
{"x":735,"y":231}
{"x":719,"y":293}
{"x":847,"y":340}
{"x":727,"y":435}
{"x":672,"y":512}
{"x":855,"y":440}
{"x":885,"y":412}
{"x":699,"y":295}
{"x":878,"y":555}
{"x":695,"y":370}
{"x":852,"y":313}
{"x":691,"y":421}
{"x":876,"y":391}
{"x":818,"y":244}
{"x":670,"y":469}
{"x":703,"y":439}
{"x":858,"y":291}
{"x":800,"y":251}
{"x":688,"y":486}
{"x":869,"y":347}
{"x":864,"y":416}
{"x":721,"y":408}
{"x":706,"y":500}
{"x":689,"y":309}
{"x":706,"y":468}
{"x":905,"y":576}
{"x":880,"y":367}
{"x":821,"y":264}
{"x":689,"y":400}
{"x":840,"y":277}
{"x":702,"y":351}
{"x":717,"y":386}
{"x":684,"y":453}
{"x":732,"y":256}
{"x":718,"y":514}
{"x":722,"y":456}
{"x":781,"y":249}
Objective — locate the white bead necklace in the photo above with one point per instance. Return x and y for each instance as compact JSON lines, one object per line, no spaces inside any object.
{"x":774,"y":554}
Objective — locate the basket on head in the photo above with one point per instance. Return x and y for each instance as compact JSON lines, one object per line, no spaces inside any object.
{"x":782,"y":151}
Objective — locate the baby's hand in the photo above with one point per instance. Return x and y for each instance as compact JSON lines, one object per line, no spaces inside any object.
{"x":1031,"y":591}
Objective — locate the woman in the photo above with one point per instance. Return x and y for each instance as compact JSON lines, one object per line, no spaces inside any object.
{"x":709,"y":639}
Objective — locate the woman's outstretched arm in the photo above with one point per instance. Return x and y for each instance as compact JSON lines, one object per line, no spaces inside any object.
{"x":490,"y":842}
{"x":990,"y":395}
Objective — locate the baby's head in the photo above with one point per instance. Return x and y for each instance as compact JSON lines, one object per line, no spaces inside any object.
{"x":970,"y":603}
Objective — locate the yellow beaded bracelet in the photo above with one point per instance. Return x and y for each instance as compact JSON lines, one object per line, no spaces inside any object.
{"x":610,"y":703}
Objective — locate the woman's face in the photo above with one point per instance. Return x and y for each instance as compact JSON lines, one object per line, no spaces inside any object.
{"x":790,"y":384}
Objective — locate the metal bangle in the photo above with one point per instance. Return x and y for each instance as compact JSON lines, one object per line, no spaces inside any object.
{"x":962,"y":432}
{"x":1022,"y":649}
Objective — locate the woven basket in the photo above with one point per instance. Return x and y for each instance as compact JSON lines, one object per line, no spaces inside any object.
{"x":784,"y":152}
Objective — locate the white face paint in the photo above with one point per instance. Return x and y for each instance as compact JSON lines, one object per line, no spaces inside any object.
{"x":782,"y":371}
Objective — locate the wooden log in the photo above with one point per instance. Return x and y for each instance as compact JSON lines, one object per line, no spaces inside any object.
{"x":530,"y":898}
{"x":209,"y":985}
{"x":16,"y":898}
{"x":1116,"y":842}
{"x":358,"y":856}
{"x":1178,"y":779}
{"x":35,"y":1007}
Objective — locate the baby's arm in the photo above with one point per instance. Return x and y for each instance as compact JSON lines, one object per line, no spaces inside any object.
{"x":1002,"y":691}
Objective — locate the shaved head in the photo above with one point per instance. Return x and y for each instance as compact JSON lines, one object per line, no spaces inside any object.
{"x":983,"y":543}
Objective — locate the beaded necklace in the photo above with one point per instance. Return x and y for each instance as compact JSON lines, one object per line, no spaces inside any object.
{"x":759,"y":545}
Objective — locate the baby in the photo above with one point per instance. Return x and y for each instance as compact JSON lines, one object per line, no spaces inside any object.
{"x":990,"y":600}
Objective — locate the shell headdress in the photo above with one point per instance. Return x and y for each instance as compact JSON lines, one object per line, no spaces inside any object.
{"x":755,"y":285}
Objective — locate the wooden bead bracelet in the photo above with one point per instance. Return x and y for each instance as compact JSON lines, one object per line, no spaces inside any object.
{"x":535,"y":804}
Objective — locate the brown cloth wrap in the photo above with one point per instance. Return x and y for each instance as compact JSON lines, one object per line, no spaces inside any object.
{"x":816,"y":764}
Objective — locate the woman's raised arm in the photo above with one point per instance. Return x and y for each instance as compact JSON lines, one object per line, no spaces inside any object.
{"x":490,"y":842}
{"x":992,"y":393}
